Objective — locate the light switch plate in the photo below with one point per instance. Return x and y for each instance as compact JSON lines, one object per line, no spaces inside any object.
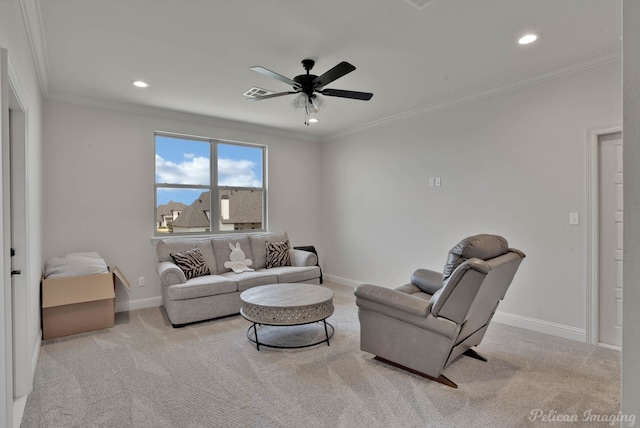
{"x":574,"y":218}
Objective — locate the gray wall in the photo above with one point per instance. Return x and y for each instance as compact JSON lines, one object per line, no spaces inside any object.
{"x":99,"y":186}
{"x":513,"y":164}
{"x":631,"y":297}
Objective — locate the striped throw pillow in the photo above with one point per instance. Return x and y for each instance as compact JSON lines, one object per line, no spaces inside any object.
{"x":278,"y":254}
{"x":191,"y":262}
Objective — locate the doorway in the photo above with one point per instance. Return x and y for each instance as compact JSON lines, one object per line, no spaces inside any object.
{"x":17,"y":300}
{"x":605,"y":238}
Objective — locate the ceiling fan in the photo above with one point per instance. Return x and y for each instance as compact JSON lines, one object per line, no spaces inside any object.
{"x":308,"y":86}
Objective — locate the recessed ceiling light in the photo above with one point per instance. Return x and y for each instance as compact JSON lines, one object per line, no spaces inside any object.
{"x":140,"y":84}
{"x":528,"y":38}
{"x":313,"y":120}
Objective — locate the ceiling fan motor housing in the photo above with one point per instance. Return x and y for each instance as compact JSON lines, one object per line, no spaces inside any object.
{"x":306,"y":80}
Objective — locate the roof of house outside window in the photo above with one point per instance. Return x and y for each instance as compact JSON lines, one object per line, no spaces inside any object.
{"x":245,"y":206}
{"x":194,"y":215}
{"x":167,"y":209}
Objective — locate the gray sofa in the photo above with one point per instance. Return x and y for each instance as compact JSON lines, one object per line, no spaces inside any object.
{"x":217,"y":294}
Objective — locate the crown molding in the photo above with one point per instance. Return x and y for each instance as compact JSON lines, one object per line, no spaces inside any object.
{"x":534,"y":79}
{"x":33,"y":23}
{"x":181,"y":116}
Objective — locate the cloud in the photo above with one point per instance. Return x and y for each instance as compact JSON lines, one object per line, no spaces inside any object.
{"x":241,"y":173}
{"x":195,"y":170}
{"x":192,"y":170}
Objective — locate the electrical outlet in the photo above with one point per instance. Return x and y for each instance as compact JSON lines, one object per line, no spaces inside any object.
{"x":437,"y":181}
{"x":141,"y":281}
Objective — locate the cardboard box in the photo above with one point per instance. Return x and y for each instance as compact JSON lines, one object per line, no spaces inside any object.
{"x":80,"y":303}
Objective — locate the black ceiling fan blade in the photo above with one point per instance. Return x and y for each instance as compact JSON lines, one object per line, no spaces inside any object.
{"x":264,"y":97}
{"x":335,"y":73}
{"x":364,"y":96}
{"x":274,"y":75}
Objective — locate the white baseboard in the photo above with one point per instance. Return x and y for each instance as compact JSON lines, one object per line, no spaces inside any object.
{"x":546,"y":327}
{"x":532,"y":324}
{"x":130,"y":305}
{"x":540,"y":326}
{"x":20,"y":403}
{"x":341,"y":281}
{"x":36,"y":356}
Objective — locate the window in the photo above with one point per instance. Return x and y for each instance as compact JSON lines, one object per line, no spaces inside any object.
{"x":208,"y":186}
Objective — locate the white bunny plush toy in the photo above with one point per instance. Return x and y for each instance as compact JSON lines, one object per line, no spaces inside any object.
{"x":237,"y":261}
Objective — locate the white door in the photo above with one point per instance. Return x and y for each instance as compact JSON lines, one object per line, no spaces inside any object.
{"x":6,"y":346}
{"x":21,"y":296}
{"x":610,"y":240}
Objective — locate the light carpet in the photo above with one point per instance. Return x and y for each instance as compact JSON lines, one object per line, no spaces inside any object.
{"x":144,"y":373}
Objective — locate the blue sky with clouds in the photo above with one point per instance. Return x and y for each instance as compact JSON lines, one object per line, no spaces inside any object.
{"x":184,"y":161}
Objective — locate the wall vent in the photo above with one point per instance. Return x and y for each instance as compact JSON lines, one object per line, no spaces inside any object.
{"x":257,"y":92}
{"x":419,"y":4}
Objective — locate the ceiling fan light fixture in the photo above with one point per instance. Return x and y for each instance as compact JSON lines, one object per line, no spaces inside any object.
{"x":316,"y":103}
{"x":300,"y":101}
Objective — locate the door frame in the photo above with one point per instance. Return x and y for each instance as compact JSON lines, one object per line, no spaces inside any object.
{"x":23,"y":299}
{"x":6,"y":341}
{"x":593,"y":229}
{"x":17,"y":366}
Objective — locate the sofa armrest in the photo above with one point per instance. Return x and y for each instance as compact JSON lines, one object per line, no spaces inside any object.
{"x":394,"y":299}
{"x":427,"y":280}
{"x":170,"y":273}
{"x":301,"y":258}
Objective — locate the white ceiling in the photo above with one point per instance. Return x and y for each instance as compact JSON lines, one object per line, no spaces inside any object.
{"x":196,"y":54}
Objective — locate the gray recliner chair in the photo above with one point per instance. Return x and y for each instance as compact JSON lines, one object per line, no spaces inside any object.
{"x":424,"y":326}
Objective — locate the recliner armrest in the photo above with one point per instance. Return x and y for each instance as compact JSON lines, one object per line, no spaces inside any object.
{"x":170,"y":273}
{"x":427,"y":280}
{"x":402,"y":307}
{"x":394,"y":299}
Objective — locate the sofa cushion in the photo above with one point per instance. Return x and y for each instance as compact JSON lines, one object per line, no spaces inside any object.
{"x":165,"y":247}
{"x":295,"y":274}
{"x":483,"y":246}
{"x":277,"y":254}
{"x":223,"y":252}
{"x":202,"y":286}
{"x":247,"y":280}
{"x":259,"y":248}
{"x":191,"y":262}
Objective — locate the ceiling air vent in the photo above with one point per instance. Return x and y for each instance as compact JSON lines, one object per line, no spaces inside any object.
{"x":257,"y":92}
{"x":419,"y":4}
